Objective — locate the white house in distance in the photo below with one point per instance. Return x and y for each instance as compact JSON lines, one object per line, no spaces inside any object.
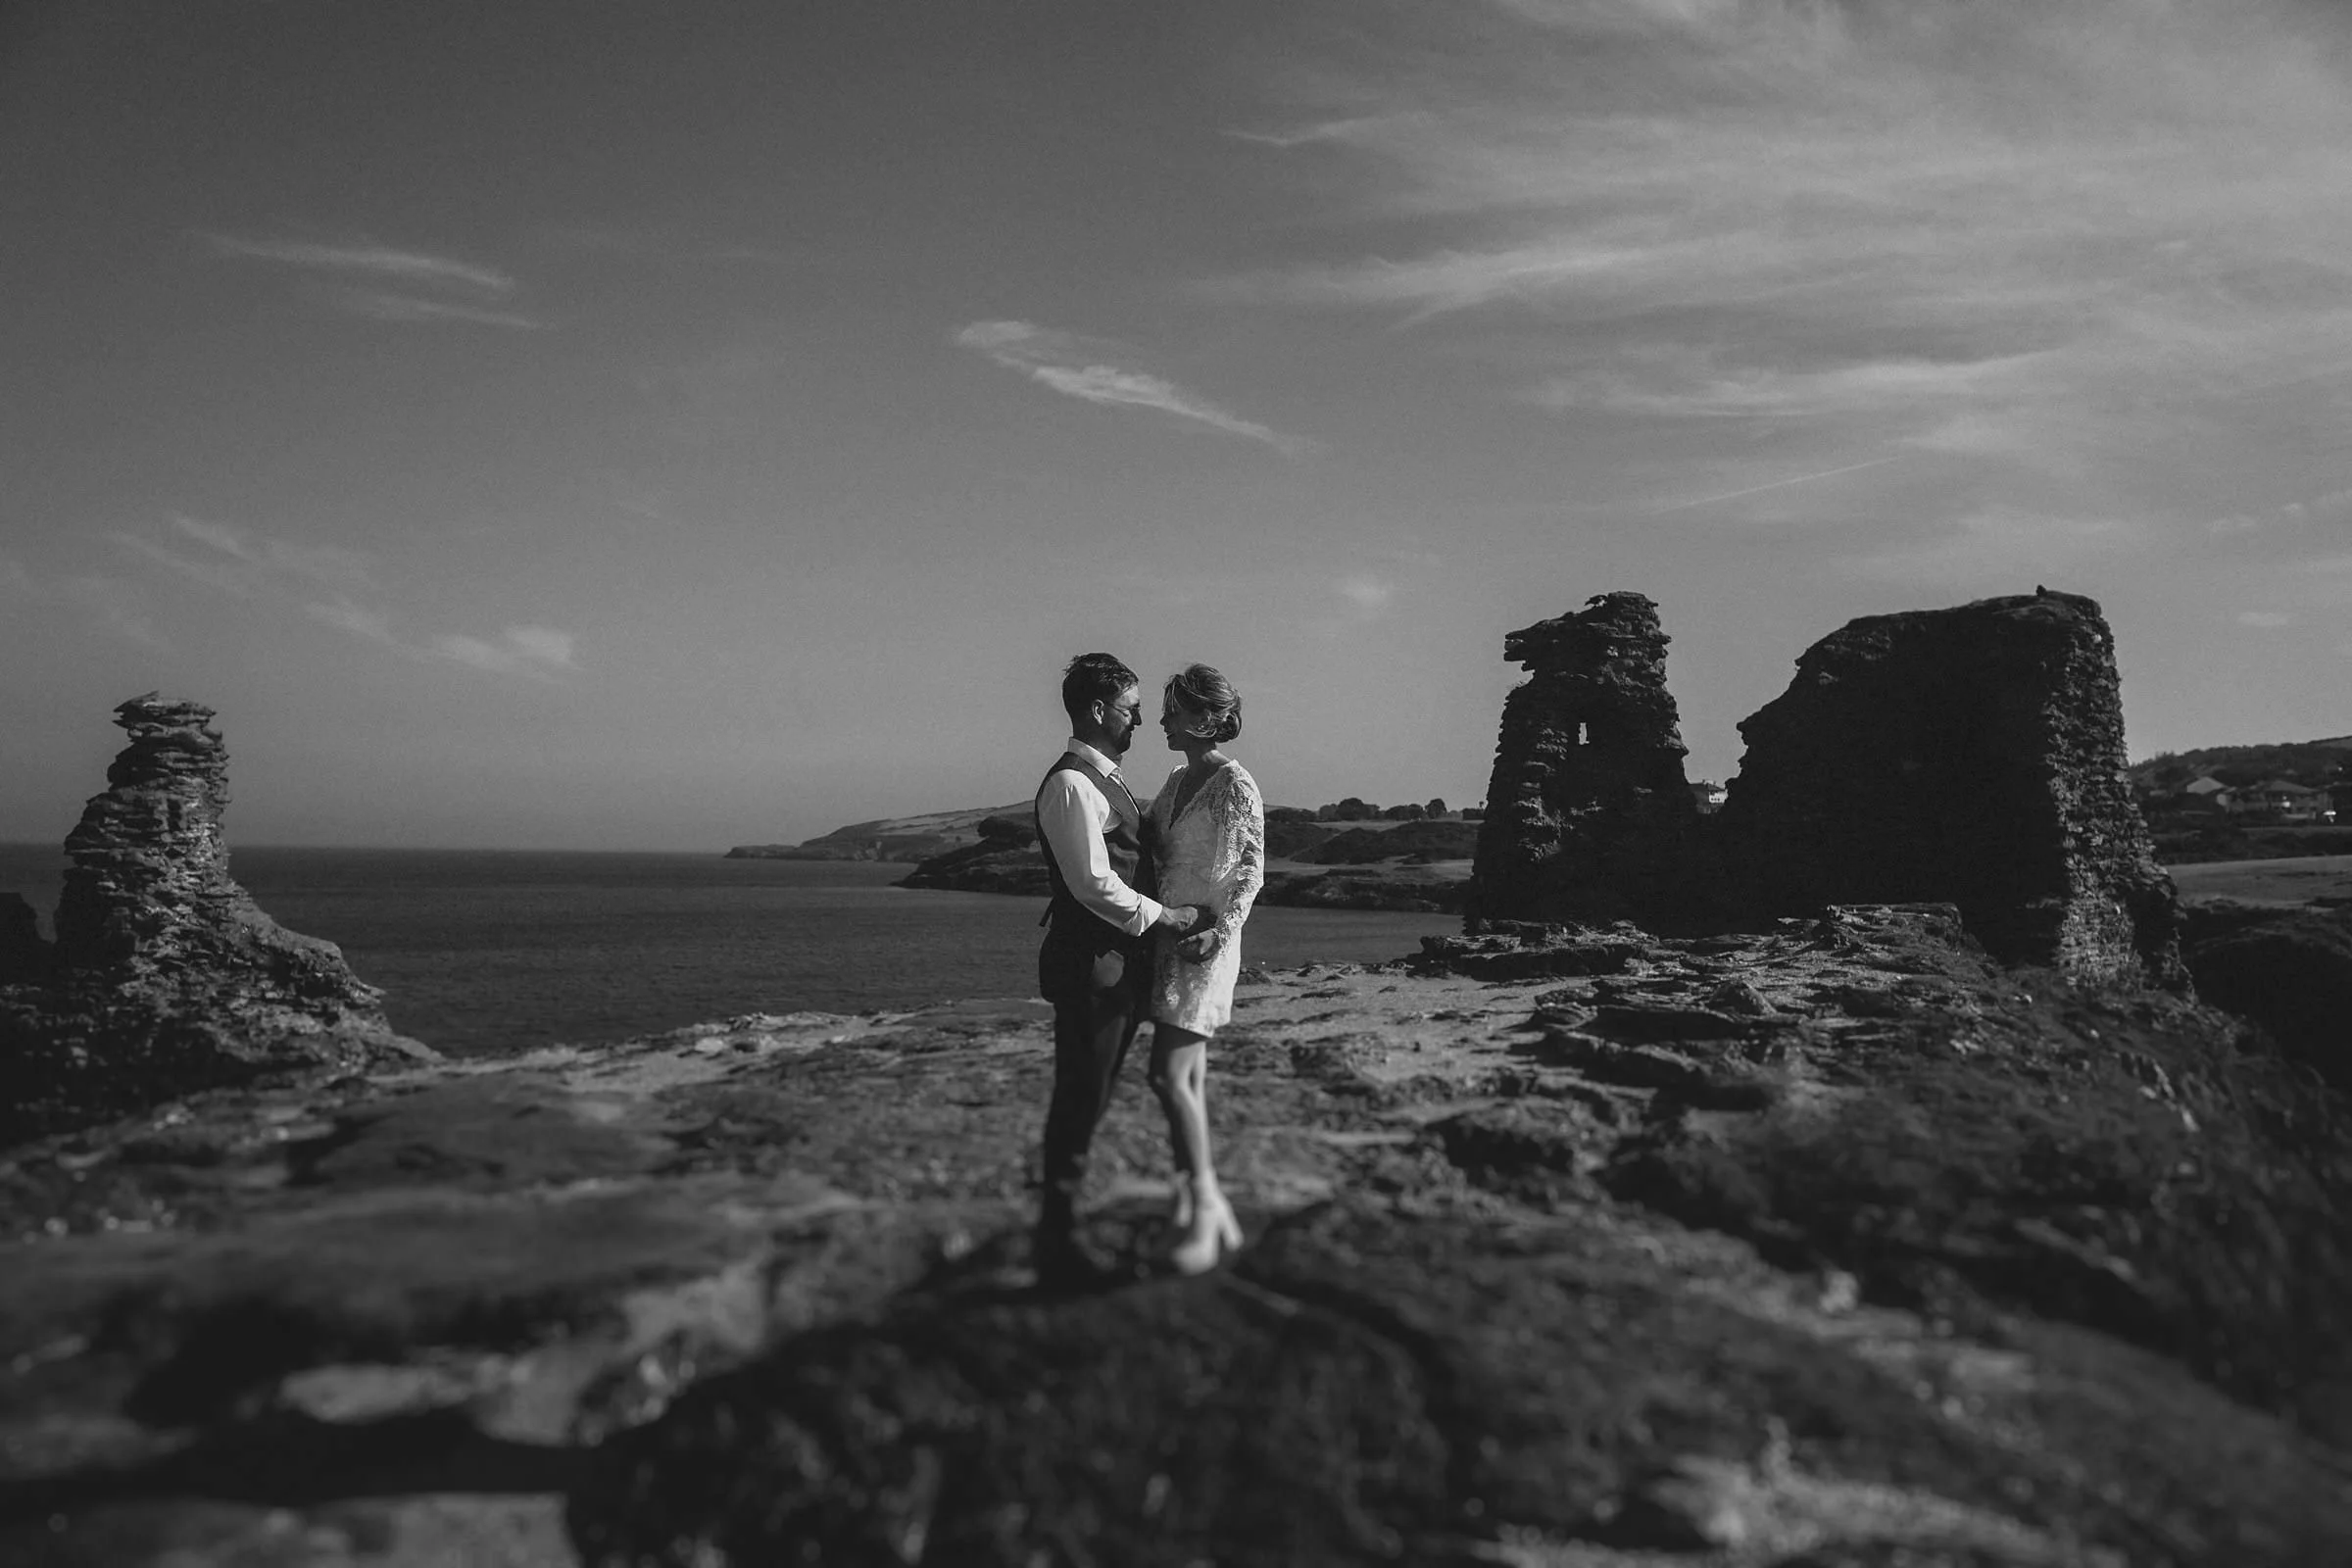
{"x":2287,"y":800}
{"x":2207,"y":793}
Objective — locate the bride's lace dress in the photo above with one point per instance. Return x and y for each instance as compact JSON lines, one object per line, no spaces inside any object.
{"x":1214,"y":853}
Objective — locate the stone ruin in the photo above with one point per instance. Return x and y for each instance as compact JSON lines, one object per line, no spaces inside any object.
{"x":165,"y":976}
{"x":1589,"y":816}
{"x":1972,"y":755}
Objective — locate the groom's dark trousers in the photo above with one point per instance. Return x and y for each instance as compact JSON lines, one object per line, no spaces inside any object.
{"x":1094,"y":975}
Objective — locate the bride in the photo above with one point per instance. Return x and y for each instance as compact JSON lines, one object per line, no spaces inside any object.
{"x":1208,"y":836}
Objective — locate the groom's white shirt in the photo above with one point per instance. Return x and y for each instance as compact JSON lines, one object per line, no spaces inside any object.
{"x":1073,"y":816}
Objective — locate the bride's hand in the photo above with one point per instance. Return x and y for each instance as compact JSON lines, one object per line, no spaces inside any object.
{"x":1202,"y":944}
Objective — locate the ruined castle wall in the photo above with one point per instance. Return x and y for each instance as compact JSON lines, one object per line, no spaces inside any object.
{"x":1589,"y":816}
{"x":1973,"y":754}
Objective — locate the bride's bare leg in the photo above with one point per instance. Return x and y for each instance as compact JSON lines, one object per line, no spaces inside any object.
{"x":1180,"y":1077}
{"x":1178,"y":1072}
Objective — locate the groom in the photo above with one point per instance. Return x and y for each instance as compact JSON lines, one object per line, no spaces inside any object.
{"x":1095,"y":961}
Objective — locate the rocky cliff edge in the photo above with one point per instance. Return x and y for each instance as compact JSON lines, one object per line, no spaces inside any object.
{"x":1833,"y":1242}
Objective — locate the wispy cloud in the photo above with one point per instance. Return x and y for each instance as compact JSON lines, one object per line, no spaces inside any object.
{"x":2000,"y":230}
{"x":235,"y":561}
{"x":665,"y":244}
{"x":1994,"y":545}
{"x":1769,"y":484}
{"x":1367,"y":593}
{"x":408,"y":308}
{"x":337,"y":587}
{"x":114,"y":604}
{"x":378,"y":261}
{"x":390,"y":284}
{"x":2329,"y":507}
{"x":1083,"y":369}
{"x":517,"y":650}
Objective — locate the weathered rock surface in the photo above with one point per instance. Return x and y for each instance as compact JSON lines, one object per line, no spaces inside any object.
{"x":1832,"y":1243}
{"x":24,"y":958}
{"x":2289,"y":971}
{"x":1589,"y":816}
{"x":1003,"y":859}
{"x":1972,"y":754}
{"x":166,"y":976}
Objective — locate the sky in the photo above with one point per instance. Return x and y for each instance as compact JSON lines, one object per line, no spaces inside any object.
{"x":570,"y":423}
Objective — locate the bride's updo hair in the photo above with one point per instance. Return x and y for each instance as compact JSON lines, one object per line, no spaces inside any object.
{"x":1209,"y":700}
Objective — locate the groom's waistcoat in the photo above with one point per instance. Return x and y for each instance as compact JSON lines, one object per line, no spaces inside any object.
{"x":1122,"y":842}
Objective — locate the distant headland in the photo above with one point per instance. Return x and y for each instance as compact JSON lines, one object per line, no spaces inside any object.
{"x":909,"y":839}
{"x":1347,"y":855}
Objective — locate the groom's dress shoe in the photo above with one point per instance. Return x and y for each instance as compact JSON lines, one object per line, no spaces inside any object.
{"x":1065,"y":1262}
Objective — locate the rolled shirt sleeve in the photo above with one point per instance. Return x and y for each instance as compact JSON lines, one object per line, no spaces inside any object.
{"x":1072,"y":814}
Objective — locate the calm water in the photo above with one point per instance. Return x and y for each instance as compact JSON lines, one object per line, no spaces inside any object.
{"x":494,"y":951}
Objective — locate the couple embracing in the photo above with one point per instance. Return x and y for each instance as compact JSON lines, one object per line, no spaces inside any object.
{"x":1144,"y":925}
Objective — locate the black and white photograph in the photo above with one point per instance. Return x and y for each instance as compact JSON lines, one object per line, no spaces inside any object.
{"x":1175,"y":783}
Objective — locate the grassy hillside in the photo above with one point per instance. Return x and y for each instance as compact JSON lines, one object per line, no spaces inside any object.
{"x":2308,"y":762}
{"x":888,"y":838}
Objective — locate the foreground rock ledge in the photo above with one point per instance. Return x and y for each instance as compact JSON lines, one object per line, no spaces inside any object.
{"x":1832,"y":1244}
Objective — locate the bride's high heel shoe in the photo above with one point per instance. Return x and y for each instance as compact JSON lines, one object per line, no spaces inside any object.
{"x":1214,"y":1232}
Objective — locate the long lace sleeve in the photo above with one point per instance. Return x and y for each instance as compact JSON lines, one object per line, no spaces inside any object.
{"x":1241,"y":822}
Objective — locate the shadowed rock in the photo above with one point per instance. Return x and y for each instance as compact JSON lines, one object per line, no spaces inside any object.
{"x":1366,"y":1387}
{"x":166,"y":977}
{"x":1972,"y":754}
{"x":2288,"y":971}
{"x":25,"y":959}
{"x":1589,"y":816}
{"x":1006,"y":860}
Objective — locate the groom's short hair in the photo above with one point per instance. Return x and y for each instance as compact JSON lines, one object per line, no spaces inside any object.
{"x":1093,"y":678}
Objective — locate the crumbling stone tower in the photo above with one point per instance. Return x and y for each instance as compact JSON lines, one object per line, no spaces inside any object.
{"x":1973,"y":754}
{"x":166,"y":977}
{"x":148,"y":903}
{"x":1589,"y":816}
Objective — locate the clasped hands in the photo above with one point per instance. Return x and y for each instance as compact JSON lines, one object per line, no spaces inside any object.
{"x":1195,"y":925}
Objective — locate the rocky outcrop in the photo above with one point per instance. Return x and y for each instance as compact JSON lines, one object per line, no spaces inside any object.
{"x":1006,"y":858}
{"x":1589,"y":816}
{"x":2289,"y":971}
{"x":1828,"y":1243}
{"x":166,"y":976}
{"x":1972,"y":754}
{"x":25,"y":959}
{"x":887,"y":838}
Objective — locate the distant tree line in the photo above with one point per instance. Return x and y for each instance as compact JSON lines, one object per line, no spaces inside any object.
{"x":2315,"y":765}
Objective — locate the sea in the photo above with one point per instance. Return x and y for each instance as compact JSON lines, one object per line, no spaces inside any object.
{"x":483,"y":953}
